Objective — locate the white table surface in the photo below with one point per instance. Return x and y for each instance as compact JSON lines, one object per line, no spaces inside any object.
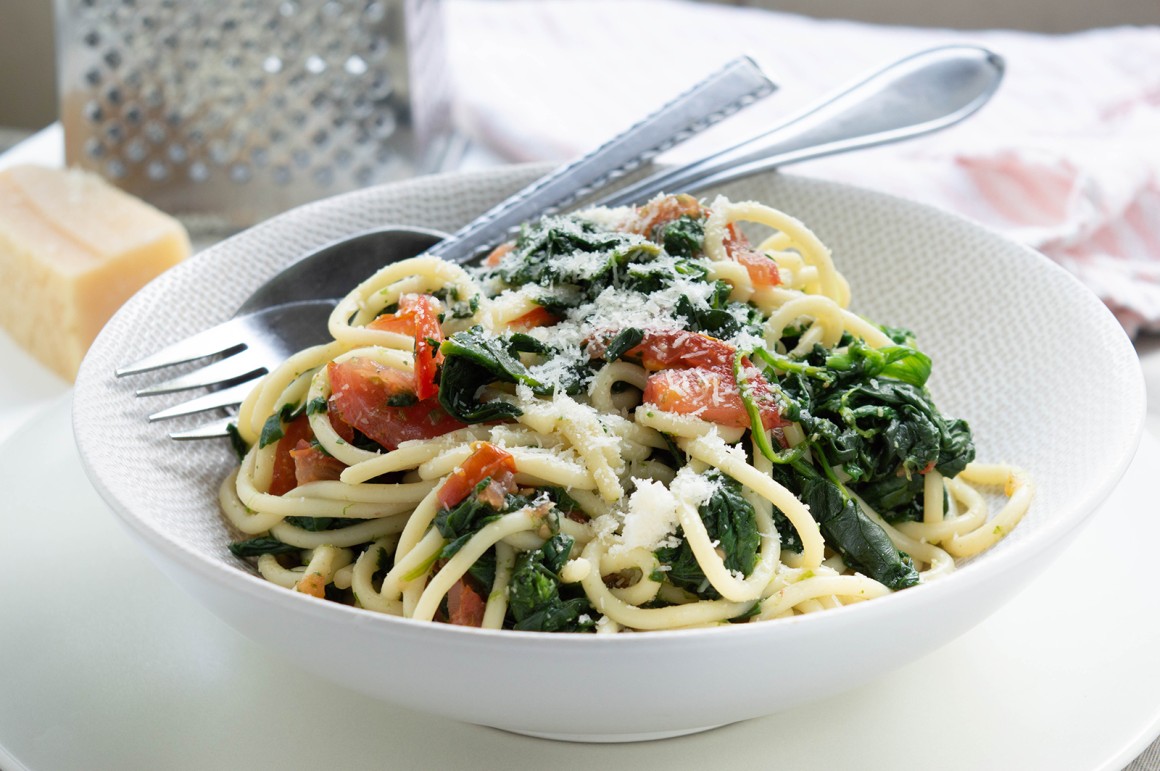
{"x":28,"y":391}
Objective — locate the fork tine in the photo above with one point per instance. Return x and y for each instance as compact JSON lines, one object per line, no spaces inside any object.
{"x":209,"y":430}
{"x":226,"y":397}
{"x":242,"y":364}
{"x":220,"y":339}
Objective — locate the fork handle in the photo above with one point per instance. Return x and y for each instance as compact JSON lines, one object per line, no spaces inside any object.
{"x":737,"y":85}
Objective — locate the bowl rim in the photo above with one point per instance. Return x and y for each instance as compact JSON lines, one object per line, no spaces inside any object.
{"x":994,"y":564}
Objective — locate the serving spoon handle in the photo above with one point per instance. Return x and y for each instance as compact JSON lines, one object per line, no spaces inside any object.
{"x":922,"y":93}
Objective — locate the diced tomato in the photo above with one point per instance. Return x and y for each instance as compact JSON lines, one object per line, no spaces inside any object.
{"x":344,"y":430}
{"x":418,"y":315}
{"x":498,"y":254}
{"x":711,"y":395}
{"x":537,"y":317}
{"x":394,"y":322}
{"x":669,"y":348}
{"x":465,"y":606}
{"x":486,"y":461}
{"x":374,"y":399}
{"x":761,"y":268}
{"x":313,"y":585}
{"x":660,"y":212}
{"x":311,"y":464}
{"x":285,"y":478}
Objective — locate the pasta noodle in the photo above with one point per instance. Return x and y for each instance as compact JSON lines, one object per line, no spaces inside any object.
{"x":626,"y":420}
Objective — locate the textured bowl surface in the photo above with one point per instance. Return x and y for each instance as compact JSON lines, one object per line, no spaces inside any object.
{"x":1042,"y":371}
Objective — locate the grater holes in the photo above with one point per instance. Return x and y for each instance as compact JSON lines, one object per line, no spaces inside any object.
{"x":157,"y":171}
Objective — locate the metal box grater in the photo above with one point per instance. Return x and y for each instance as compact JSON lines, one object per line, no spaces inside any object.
{"x":225,"y":112}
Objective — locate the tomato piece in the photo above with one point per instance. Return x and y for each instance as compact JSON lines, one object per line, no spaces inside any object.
{"x":418,"y":315}
{"x":497,"y":254}
{"x":761,"y":268}
{"x":394,"y":322}
{"x":659,"y":212}
{"x":465,"y":606}
{"x":673,"y":348}
{"x":313,"y":585}
{"x":428,"y":338}
{"x":380,"y":402}
{"x":311,"y":464}
{"x":711,"y":395}
{"x":537,"y":317}
{"x":284,"y":478}
{"x":487,"y":460}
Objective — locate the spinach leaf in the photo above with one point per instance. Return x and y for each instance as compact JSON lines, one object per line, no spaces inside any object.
{"x":460,"y":523}
{"x":731,"y":521}
{"x":475,"y":359}
{"x":265,"y":544}
{"x":483,"y":571}
{"x":859,"y":361}
{"x":625,"y":341}
{"x":573,"y":251}
{"x":862,"y":543}
{"x":237,"y":443}
{"x":317,"y":524}
{"x":682,"y":237}
{"x":471,"y":361}
{"x":535,"y":598}
{"x":466,"y":519}
{"x":272,"y":429}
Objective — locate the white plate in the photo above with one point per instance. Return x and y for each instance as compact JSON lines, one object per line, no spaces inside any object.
{"x":104,"y":663}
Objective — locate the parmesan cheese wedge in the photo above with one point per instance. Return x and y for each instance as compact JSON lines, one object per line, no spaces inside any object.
{"x":73,"y":249}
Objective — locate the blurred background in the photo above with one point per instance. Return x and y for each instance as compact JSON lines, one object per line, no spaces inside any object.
{"x":27,"y":69}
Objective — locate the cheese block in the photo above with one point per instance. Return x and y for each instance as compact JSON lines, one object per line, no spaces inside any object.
{"x":72,"y":250}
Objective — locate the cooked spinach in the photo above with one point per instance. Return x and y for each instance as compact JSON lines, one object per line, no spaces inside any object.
{"x":863,"y":544}
{"x":572,"y":251}
{"x":869,"y":413}
{"x":460,"y":523}
{"x":730,"y":521}
{"x":859,"y":361}
{"x":264,"y":544}
{"x":536,"y":597}
{"x":682,"y":237}
{"x":272,"y":429}
{"x":476,"y":358}
{"x":572,"y":260}
{"x":625,"y":341}
{"x":317,"y":524}
{"x":237,"y":443}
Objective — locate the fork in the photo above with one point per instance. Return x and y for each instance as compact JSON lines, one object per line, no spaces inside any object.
{"x":917,"y":95}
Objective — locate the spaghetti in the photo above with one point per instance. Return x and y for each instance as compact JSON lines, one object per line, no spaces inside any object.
{"x":624,"y":420}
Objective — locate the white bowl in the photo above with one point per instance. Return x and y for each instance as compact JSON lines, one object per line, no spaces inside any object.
{"x":1031,"y":358}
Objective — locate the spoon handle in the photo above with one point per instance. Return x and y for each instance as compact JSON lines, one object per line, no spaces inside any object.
{"x":925,"y":92}
{"x":737,"y":85}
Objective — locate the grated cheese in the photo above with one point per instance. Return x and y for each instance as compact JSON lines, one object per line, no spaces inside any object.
{"x":651,"y":518}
